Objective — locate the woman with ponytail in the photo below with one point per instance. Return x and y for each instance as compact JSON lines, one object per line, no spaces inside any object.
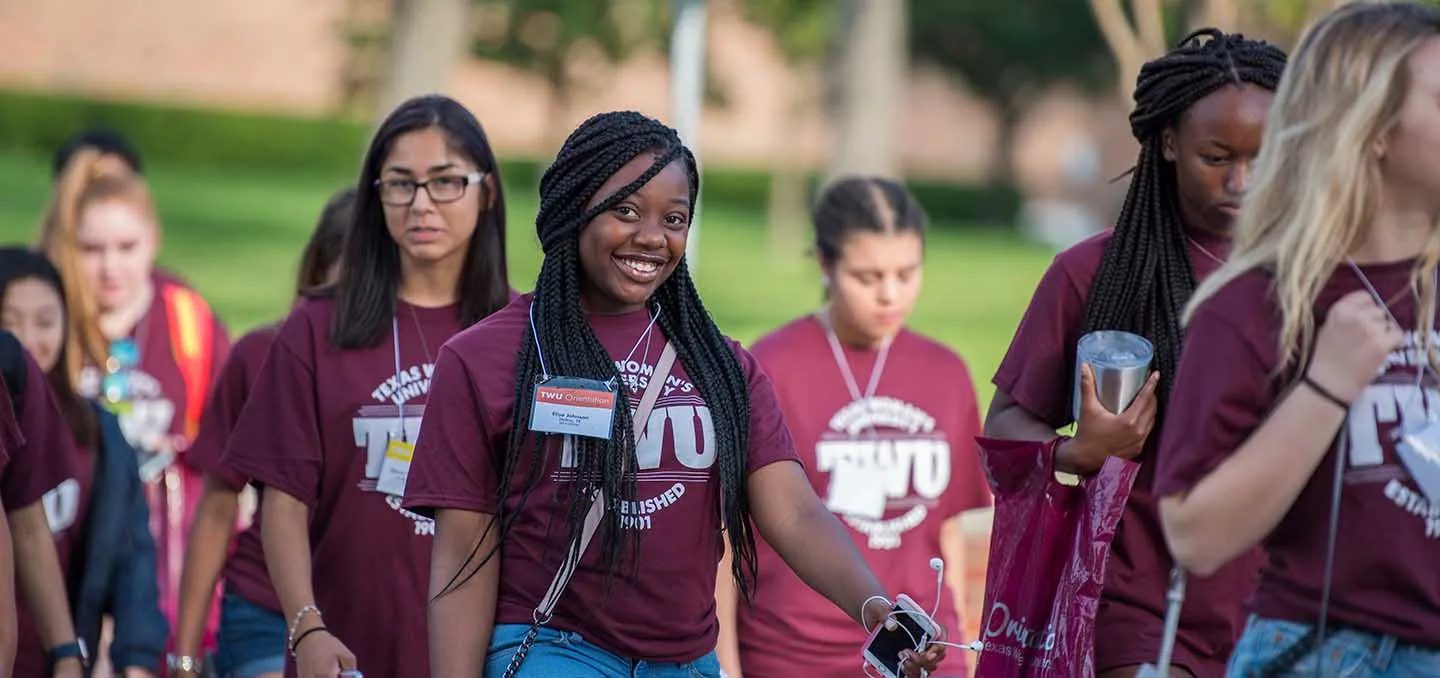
{"x":607,"y":404}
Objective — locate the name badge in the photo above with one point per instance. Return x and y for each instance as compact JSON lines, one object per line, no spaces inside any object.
{"x":395,"y":468}
{"x":573,"y":406}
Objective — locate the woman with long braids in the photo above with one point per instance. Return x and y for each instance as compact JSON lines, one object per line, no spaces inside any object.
{"x":251,"y":636}
{"x":1199,"y":115}
{"x":337,"y":406}
{"x":615,"y":322}
{"x":1307,"y":393}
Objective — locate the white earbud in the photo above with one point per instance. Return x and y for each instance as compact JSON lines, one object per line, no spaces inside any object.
{"x":937,"y":564}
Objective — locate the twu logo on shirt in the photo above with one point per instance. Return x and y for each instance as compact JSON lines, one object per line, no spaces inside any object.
{"x":681,"y":424}
{"x":1396,"y":401}
{"x":397,"y":418}
{"x":883,"y":454}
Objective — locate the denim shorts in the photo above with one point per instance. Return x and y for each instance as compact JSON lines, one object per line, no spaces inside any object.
{"x":251,"y":639}
{"x":1347,"y":653}
{"x":565,"y":653}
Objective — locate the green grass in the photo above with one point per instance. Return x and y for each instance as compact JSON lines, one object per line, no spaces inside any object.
{"x":237,"y":236}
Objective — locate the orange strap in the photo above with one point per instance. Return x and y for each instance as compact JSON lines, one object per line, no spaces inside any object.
{"x":192,"y":330}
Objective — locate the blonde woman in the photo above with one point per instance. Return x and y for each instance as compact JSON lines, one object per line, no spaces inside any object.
{"x":146,"y":346}
{"x":1312,"y":355}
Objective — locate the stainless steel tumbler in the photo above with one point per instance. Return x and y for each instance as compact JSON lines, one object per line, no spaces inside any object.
{"x":1121,"y":362}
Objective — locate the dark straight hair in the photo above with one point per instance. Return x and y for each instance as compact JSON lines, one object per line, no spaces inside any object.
{"x":16,"y":264}
{"x":370,"y":274}
{"x":322,"y":251}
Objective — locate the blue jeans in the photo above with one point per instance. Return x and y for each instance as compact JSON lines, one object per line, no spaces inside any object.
{"x":1347,"y":653}
{"x":565,"y":653}
{"x":251,"y":639}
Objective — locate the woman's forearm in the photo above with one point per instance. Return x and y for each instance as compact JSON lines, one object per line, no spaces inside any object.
{"x":462,"y":609}
{"x":810,"y":539}
{"x":42,"y":582}
{"x":9,"y":628}
{"x":1242,"y":500}
{"x":727,"y":645}
{"x":285,"y":534}
{"x":1007,"y":420}
{"x":205,"y":555}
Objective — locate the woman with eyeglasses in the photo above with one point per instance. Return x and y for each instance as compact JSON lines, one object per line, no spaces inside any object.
{"x":147,"y":347}
{"x":336,"y":409}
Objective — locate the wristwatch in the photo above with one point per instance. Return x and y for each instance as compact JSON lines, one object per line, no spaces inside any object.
{"x":72,"y":650}
{"x":190,"y":664}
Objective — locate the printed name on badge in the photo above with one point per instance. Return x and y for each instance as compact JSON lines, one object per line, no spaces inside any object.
{"x":395,"y":468}
{"x":582,"y":407}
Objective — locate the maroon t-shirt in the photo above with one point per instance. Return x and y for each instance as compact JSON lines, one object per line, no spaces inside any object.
{"x":62,"y":473}
{"x":11,"y":439}
{"x":155,"y":412}
{"x":666,"y":612}
{"x":35,"y":468}
{"x":1038,"y":371}
{"x":916,"y":438}
{"x":316,"y":427}
{"x":245,"y":573}
{"x":1388,"y":544}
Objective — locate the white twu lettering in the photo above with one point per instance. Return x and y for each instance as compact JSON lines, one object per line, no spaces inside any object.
{"x":902,"y":465}
{"x":62,"y":505}
{"x":1384,"y":404}
{"x":690,"y":452}
{"x":374,"y":434}
{"x":677,"y":423}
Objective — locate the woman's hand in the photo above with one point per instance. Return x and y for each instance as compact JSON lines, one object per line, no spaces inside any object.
{"x":1101,"y":434}
{"x":1352,"y":345}
{"x":912,"y":664}
{"x":321,"y":655}
{"x":137,"y":672}
{"x":918,"y":664}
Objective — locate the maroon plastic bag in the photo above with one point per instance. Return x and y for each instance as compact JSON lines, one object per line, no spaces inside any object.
{"x":1048,"y":549}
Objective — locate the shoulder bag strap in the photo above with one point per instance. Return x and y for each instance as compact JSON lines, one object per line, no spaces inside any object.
{"x":597,"y":504}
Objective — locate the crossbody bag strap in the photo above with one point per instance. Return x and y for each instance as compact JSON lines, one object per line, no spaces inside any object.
{"x":597,"y":504}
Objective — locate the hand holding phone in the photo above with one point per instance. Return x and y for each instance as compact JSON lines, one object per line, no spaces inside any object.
{"x":913,"y":630}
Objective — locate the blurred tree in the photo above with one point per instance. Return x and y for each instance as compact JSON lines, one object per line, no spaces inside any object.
{"x":803,"y":30}
{"x":1134,"y":44}
{"x":557,"y":39}
{"x":427,"y":41}
{"x":869,"y":79}
{"x":1006,"y":51}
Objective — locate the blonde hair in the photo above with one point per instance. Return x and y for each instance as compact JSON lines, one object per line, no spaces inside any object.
{"x":90,"y":177}
{"x":1317,"y":182}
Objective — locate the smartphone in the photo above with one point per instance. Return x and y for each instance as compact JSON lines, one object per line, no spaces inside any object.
{"x":915,"y":630}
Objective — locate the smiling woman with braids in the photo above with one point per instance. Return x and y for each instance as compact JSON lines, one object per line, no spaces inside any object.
{"x":1199,"y":115}
{"x":613,"y":306}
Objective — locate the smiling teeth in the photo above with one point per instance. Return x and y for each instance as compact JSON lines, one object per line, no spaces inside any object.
{"x":642,"y":266}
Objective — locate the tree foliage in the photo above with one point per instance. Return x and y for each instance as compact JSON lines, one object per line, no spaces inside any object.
{"x":1004,"y":49}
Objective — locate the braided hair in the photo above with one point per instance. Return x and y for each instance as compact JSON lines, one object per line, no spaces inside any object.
{"x":1145,"y":276}
{"x":592,"y":154}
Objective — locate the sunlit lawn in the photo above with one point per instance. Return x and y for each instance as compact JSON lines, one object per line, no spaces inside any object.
{"x":237,"y":236}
